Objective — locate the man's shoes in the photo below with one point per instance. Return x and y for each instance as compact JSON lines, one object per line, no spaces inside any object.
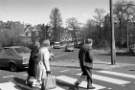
{"x":73,"y":88}
{"x":89,"y":88}
{"x":76,"y":87}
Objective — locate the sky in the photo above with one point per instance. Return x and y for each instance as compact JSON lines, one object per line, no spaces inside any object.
{"x":38,"y":11}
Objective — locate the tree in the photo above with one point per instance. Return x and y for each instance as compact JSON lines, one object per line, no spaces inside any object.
{"x":90,"y":29}
{"x":99,"y":19}
{"x":44,"y":31}
{"x":124,"y":12}
{"x":10,"y":32}
{"x":56,"y":22}
{"x":107,"y":26}
{"x":73,"y":24}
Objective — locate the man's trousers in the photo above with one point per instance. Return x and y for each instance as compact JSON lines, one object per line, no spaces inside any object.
{"x":86,"y":72}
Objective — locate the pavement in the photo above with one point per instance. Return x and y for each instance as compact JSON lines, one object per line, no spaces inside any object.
{"x":98,"y":65}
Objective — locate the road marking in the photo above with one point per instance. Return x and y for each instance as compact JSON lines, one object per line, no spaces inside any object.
{"x":64,"y":71}
{"x":8,"y":76}
{"x":12,"y":86}
{"x":8,"y":86}
{"x":71,"y":80}
{"x":111,"y":80}
{"x":77,"y":69}
{"x":108,"y":79}
{"x":24,"y":86}
{"x":60,"y":55}
{"x":109,"y":88}
{"x":118,"y":74}
{"x":58,"y":88}
{"x":25,"y":74}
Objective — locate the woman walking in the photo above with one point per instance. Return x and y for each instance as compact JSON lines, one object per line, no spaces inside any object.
{"x":34,"y":58}
{"x":43,"y":67}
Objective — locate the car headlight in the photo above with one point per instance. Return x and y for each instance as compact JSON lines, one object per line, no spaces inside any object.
{"x":25,"y":60}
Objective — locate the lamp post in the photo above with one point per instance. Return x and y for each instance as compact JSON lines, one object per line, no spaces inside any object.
{"x":113,"y":53}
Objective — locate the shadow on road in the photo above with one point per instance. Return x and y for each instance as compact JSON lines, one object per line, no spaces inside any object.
{"x":118,"y":54}
{"x":131,"y":70}
{"x":65,"y":66}
{"x":103,"y":63}
{"x":69,"y":86}
{"x":7,"y":69}
{"x":124,"y":54}
{"x":20,"y":83}
{"x":4,"y":68}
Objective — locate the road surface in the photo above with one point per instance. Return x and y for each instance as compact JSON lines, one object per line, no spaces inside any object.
{"x":122,"y":78}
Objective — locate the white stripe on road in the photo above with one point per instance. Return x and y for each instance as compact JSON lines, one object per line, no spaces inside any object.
{"x":109,"y":79}
{"x":58,"y":88}
{"x":8,"y":86}
{"x":64,"y":71}
{"x":24,"y":86}
{"x":60,"y":55}
{"x":12,"y":86}
{"x":25,"y":74}
{"x":71,"y":80}
{"x":8,"y":76}
{"x":118,"y":74}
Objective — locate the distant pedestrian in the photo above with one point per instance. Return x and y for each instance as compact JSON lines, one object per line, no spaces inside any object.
{"x":86,"y":64}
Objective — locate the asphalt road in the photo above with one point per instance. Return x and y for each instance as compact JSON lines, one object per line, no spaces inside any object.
{"x":101,"y":55}
{"x":113,"y":79}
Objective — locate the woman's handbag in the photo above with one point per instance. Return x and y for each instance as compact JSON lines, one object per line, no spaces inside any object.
{"x":49,"y":82}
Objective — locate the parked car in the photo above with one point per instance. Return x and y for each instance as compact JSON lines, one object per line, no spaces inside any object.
{"x":78,"y":44}
{"x":57,"y":45}
{"x":14,"y":57}
{"x":69,"y":48}
{"x":132,"y":49}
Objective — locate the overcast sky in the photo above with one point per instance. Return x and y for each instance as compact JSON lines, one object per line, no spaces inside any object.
{"x":38,"y":11}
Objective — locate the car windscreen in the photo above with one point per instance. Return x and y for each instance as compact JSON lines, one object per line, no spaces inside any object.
{"x":10,"y":52}
{"x":22,"y":50}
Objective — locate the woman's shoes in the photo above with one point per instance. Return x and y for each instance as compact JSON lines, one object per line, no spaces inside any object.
{"x":73,"y":88}
{"x":91,"y":87}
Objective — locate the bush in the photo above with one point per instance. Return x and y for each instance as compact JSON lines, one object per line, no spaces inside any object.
{"x":101,"y":44}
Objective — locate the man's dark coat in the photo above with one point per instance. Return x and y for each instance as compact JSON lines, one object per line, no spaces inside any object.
{"x":33,"y":61}
{"x":85,"y":57}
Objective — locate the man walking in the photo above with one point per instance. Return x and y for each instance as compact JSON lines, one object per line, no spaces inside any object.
{"x":86,"y":64}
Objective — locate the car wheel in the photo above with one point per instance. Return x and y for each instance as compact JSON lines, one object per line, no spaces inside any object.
{"x":12,"y":67}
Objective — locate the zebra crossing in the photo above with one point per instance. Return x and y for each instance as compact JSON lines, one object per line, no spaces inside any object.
{"x":118,"y":74}
{"x":71,"y":80}
{"x":110,"y":77}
